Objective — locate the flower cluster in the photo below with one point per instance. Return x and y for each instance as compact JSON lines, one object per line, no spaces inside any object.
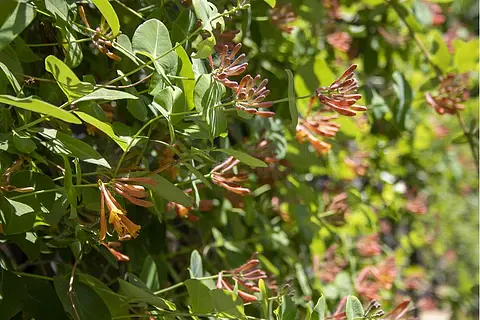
{"x":250,"y":92}
{"x":327,"y":268}
{"x":372,"y":279}
{"x":134,"y":193}
{"x":369,"y":246}
{"x":224,"y":38}
{"x":342,"y":95}
{"x":102,"y":45}
{"x":451,"y":93}
{"x":310,"y":128}
{"x":230,"y":181}
{"x":247,"y":275}
{"x":281,"y":16}
{"x":340,"y":40}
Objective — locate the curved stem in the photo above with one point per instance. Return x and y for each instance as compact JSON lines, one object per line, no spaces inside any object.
{"x":31,"y":275}
{"x":296,"y":98}
{"x":177,"y":285}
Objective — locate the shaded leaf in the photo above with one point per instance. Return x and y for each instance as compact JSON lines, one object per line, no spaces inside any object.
{"x":104,"y":127}
{"x":200,"y":299}
{"x":244,"y":157}
{"x":196,"y":266}
{"x":292,"y":103}
{"x":227,"y":304}
{"x":167,"y":190}
{"x":20,"y":15}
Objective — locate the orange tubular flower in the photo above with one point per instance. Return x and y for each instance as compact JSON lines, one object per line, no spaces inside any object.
{"x":308,"y":130}
{"x":281,"y":16}
{"x":342,"y":95}
{"x":117,"y":216}
{"x":340,"y":40}
{"x":369,"y":246}
{"x":249,"y":98}
{"x":229,"y":181}
{"x":452,"y":92}
{"x":230,"y":66}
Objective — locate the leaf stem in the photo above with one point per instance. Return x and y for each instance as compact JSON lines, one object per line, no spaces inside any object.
{"x":296,"y":98}
{"x":177,"y":285}
{"x":35,"y":45}
{"x":31,"y":275}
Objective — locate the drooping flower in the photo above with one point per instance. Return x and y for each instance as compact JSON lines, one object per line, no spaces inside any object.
{"x":417,"y":204}
{"x":249,"y":96}
{"x":327,"y":267}
{"x":112,"y":246}
{"x":310,"y":128}
{"x":342,"y":95}
{"x":338,"y":206}
{"x":229,"y":181}
{"x":281,"y":16}
{"x":230,"y":65}
{"x":369,"y":246}
{"x":117,"y":216}
{"x":224,"y":38}
{"x":247,"y":276}
{"x":340,"y":40}
{"x":451,"y":93}
{"x":372,"y":279}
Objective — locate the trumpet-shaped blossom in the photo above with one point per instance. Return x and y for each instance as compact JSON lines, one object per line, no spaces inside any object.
{"x":230,"y":181}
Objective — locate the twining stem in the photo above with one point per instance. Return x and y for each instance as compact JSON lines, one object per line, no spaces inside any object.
{"x":135,"y":13}
{"x":50,"y":190}
{"x":128,"y":85}
{"x":31,"y":275}
{"x":439,"y":74}
{"x":34,"y":45}
{"x":296,"y":98}
{"x":177,"y":285}
{"x":70,"y":284}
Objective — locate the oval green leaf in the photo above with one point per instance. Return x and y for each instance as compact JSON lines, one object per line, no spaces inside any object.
{"x":107,"y":11}
{"x":244,"y":157}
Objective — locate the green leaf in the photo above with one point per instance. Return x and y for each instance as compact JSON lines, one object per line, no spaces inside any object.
{"x":227,"y":304}
{"x":287,"y":310}
{"x":207,"y":97}
{"x":28,"y":243}
{"x":200,"y":299}
{"x":271,"y":3}
{"x":20,"y":15}
{"x":153,"y":40}
{"x":88,"y":304}
{"x":264,"y":298}
{"x":11,"y":78}
{"x":116,"y":303}
{"x":66,"y":79}
{"x":196,"y":266}
{"x":199,"y":175}
{"x":319,"y":309}
{"x":207,"y":12}
{"x":172,"y":100}
{"x":466,"y":55}
{"x":440,"y":54}
{"x":107,"y":11}
{"x":106,"y":95}
{"x":205,"y":47}
{"x":23,"y":143}
{"x":186,"y":71}
{"x":42,"y":302}
{"x":405,"y":96}
{"x":104,"y":127}
{"x":14,"y":294}
{"x":39,"y":106}
{"x":16,"y":217}
{"x":73,"y":50}
{"x":39,"y":202}
{"x":244,"y":157}
{"x":137,"y":294}
{"x":354,"y":308}
{"x":167,"y":190}
{"x":292,"y":102}
{"x":23,"y":51}
{"x":69,"y":188}
{"x":65,"y":144}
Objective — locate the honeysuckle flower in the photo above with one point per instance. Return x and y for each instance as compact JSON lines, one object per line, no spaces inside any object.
{"x":117,"y":216}
{"x":333,"y":7}
{"x":451,"y":93}
{"x":249,"y":96}
{"x":224,"y":38}
{"x":340,"y":40}
{"x":247,"y":275}
{"x":372,"y":279}
{"x":308,"y":129}
{"x":118,"y":255}
{"x":369,"y":246}
{"x":342,"y":95}
{"x":416,"y":204}
{"x":338,"y":205}
{"x":230,"y":65}
{"x":229,"y":181}
{"x":393,"y":39}
{"x":281,"y":16}
{"x":327,"y":267}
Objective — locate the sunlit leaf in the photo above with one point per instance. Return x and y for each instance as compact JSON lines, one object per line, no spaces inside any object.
{"x":109,"y":13}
